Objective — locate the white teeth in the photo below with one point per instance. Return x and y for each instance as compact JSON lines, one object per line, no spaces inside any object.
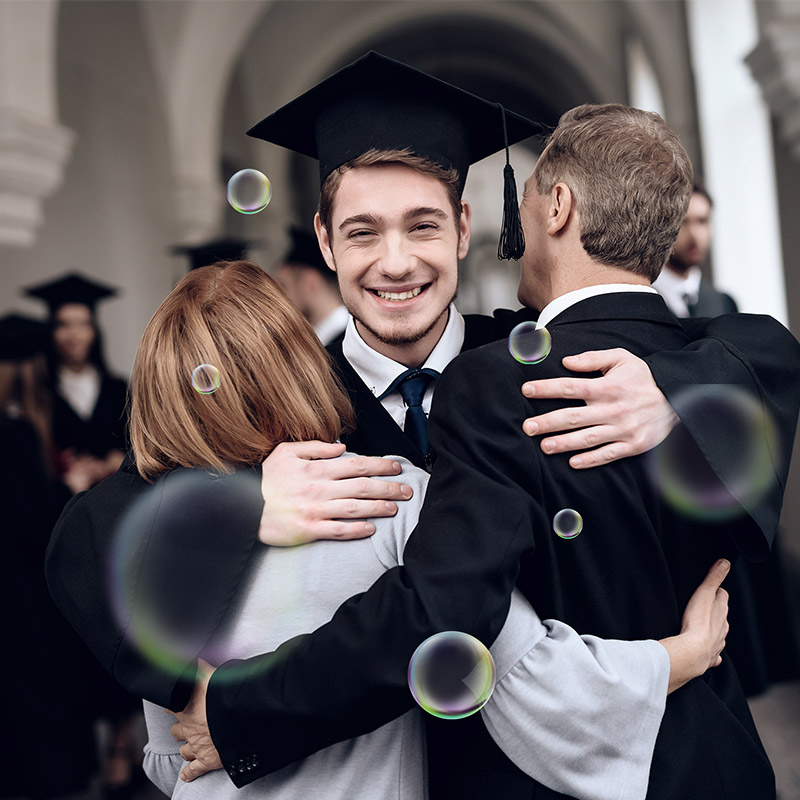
{"x":397,"y":296}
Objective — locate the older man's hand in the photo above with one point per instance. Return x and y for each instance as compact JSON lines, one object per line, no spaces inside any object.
{"x":620,"y":414}
{"x":192,"y":728}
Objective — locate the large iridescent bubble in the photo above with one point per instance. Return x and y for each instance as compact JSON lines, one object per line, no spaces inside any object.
{"x":174,"y":530}
{"x":731,"y":418}
{"x":451,"y":675}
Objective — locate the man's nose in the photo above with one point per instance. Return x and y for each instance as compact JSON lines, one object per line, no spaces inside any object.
{"x":397,"y":257}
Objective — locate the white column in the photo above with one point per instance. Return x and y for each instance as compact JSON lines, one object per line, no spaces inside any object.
{"x":34,"y":148}
{"x":738,"y":158}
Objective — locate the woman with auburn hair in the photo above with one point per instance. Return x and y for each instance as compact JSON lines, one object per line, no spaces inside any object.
{"x":227,"y":369}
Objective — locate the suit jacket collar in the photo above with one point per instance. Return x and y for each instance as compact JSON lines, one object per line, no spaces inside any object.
{"x":618,"y":306}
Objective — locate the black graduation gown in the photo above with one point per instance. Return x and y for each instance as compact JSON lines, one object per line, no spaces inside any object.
{"x":286,"y":719}
{"x":46,"y":694}
{"x":103,"y":431}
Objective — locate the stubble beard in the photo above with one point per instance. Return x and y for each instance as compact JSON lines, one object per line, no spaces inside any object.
{"x":395,"y":339}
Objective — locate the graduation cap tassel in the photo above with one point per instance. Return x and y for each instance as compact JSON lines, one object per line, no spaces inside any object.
{"x":512,"y":238}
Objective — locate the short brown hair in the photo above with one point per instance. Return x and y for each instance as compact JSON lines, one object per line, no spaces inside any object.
{"x":405,"y":158}
{"x":630,"y":178}
{"x":275,"y":378}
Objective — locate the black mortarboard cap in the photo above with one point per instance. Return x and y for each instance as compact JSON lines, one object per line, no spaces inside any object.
{"x":22,"y":337}
{"x":72,"y":288}
{"x":225,"y":249}
{"x":305,"y":250}
{"x":377,"y":102}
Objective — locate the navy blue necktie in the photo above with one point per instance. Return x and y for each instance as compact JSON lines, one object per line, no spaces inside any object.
{"x":412,"y":385}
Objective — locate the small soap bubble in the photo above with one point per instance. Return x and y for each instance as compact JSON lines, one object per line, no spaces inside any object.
{"x":205,"y":379}
{"x":249,"y":191}
{"x":528,"y":344}
{"x":451,"y":675}
{"x":568,"y":523}
{"x":681,"y":472}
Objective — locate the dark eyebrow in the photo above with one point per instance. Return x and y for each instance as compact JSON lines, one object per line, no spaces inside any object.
{"x":424,"y":212}
{"x":364,"y":219}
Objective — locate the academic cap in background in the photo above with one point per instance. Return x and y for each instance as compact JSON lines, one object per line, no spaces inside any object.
{"x":304,"y":250}
{"x":72,"y":288}
{"x":225,"y":249}
{"x":22,"y":337}
{"x":377,"y":102}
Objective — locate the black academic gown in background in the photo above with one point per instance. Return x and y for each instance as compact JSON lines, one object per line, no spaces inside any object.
{"x":41,"y":687}
{"x":103,"y":431}
{"x":711,"y":302}
{"x":282,"y":722}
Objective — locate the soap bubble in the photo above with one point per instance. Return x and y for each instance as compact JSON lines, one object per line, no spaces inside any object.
{"x":249,"y":191}
{"x":529,"y":344}
{"x":724,"y":414}
{"x":162,"y":608}
{"x":205,"y":379}
{"x":451,"y":675}
{"x":568,"y":523}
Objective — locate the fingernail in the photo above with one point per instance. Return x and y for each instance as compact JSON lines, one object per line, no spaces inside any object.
{"x":405,"y":491}
{"x":548,"y":445}
{"x":369,"y":527}
{"x":390,"y":506}
{"x":724,"y":564}
{"x":576,"y":461}
{"x":528,"y":390}
{"x":396,"y":466}
{"x":531,"y":428}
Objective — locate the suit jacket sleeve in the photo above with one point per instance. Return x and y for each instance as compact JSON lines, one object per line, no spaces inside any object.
{"x":757,"y":353}
{"x":461,"y":564}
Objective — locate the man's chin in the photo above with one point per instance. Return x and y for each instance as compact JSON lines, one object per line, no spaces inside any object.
{"x":399,"y":335}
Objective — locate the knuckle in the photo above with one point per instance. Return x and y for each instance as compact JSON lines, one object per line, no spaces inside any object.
{"x":591,"y":437}
{"x":363,"y":487}
{"x":351,"y":508}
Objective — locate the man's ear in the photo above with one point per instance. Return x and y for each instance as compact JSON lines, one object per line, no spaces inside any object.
{"x":464,"y":230}
{"x":324,"y":242}
{"x":560,"y":210}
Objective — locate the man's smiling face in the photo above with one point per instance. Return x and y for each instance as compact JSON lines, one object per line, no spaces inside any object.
{"x":395,"y":245}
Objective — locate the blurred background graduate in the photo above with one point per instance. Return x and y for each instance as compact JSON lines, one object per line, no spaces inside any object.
{"x":42,"y":686}
{"x":88,"y":404}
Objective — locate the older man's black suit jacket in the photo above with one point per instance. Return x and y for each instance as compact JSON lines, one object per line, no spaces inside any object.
{"x":349,"y":677}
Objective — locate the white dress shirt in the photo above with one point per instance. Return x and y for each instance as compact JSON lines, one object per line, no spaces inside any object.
{"x":679,"y":292}
{"x":378,"y":371}
{"x":80,"y":389}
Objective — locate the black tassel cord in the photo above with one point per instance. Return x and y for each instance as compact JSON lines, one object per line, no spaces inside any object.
{"x":512,"y":239}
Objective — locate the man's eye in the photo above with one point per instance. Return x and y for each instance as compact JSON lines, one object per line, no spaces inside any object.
{"x":426,"y":226}
{"x":359,"y":234}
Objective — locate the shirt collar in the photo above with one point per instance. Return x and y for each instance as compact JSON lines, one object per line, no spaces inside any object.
{"x":562,"y":303}
{"x":378,"y":371}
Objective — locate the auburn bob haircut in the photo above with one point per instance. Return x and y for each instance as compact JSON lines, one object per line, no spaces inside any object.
{"x":274,"y":381}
